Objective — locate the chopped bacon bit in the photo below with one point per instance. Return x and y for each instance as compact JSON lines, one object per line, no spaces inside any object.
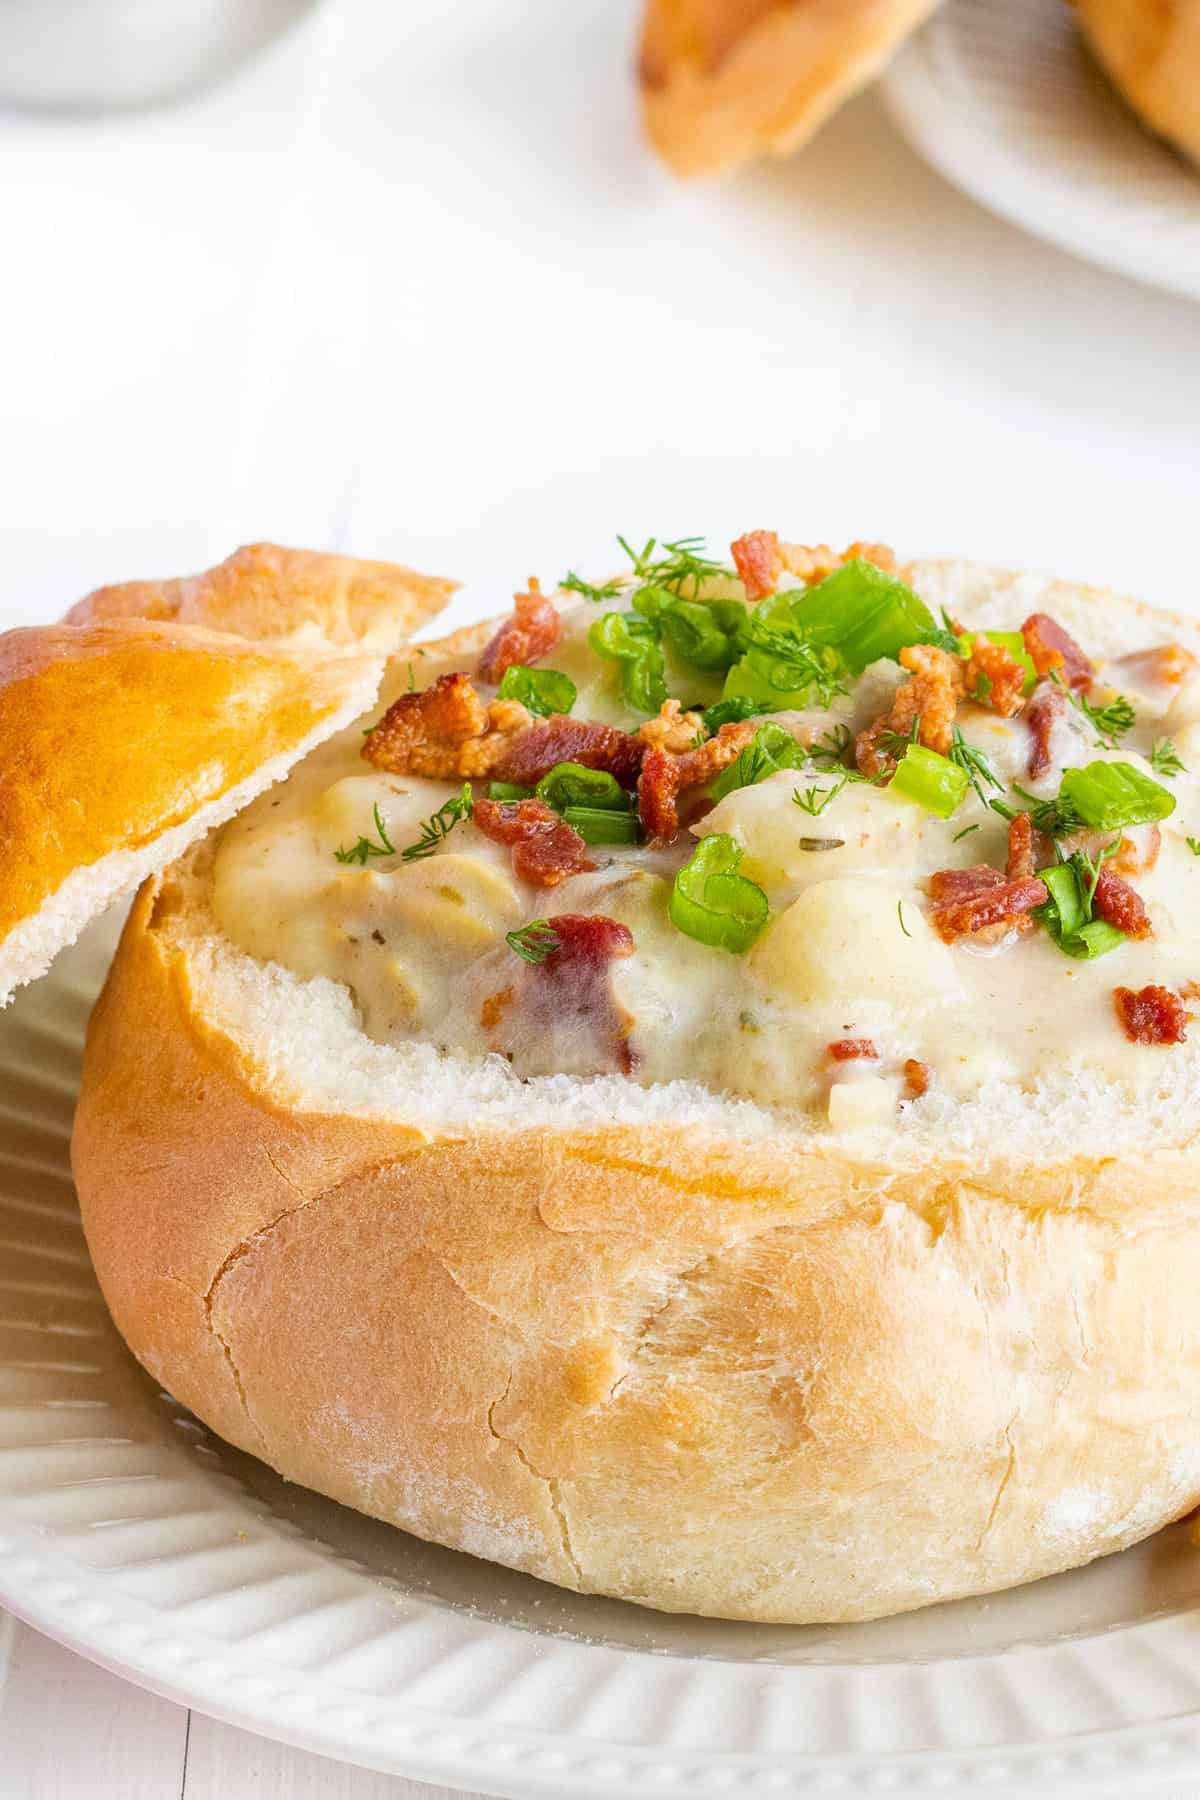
{"x":1045,"y":708}
{"x":444,"y":732}
{"x":545,"y":850}
{"x":572,"y":987}
{"x":980,"y":903}
{"x":916,"y":1078}
{"x":492,"y":1010}
{"x":1118,"y":903}
{"x":1166,"y":665}
{"x":757,"y":560}
{"x":1050,"y":647}
{"x":534,"y":628}
{"x":1019,"y":866}
{"x":664,"y":777}
{"x":560,"y":739}
{"x":1151,"y":1015}
{"x":933,"y":695}
{"x":850,"y":1049}
{"x":673,"y":730}
{"x":1004,"y":677}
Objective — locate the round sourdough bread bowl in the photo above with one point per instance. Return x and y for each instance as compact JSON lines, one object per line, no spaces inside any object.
{"x":1152,"y":53}
{"x":648,"y":1340}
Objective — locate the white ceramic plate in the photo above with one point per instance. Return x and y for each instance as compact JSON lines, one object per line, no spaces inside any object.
{"x":1006,"y":102}
{"x":131,"y":1534}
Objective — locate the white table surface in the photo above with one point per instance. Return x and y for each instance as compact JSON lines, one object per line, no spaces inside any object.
{"x":410,"y":286}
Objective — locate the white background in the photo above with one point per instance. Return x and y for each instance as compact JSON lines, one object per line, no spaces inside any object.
{"x":410,"y":286}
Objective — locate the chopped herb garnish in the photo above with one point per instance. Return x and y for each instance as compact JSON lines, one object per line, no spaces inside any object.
{"x":895,"y":743}
{"x":359,"y":853}
{"x":965,"y":832}
{"x":412,"y":680}
{"x":535,"y":941}
{"x":814,"y":799}
{"x":540,"y":691}
{"x":438,"y":827}
{"x":1110,"y":721}
{"x":1057,"y":817}
{"x":769,"y":750}
{"x":1164,"y":758}
{"x":900,"y":916}
{"x":780,"y":668}
{"x":974,"y":764}
{"x":731,"y":711}
{"x":608,"y":590}
{"x":807,"y":843}
{"x":832,"y":745}
{"x":1067,"y":914}
{"x":680,"y":564}
{"x":1193,"y":845}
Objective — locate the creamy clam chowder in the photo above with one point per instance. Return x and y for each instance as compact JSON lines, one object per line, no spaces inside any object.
{"x":780,"y":827}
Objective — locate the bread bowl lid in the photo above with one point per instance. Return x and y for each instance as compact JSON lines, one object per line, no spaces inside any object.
{"x":157,"y":710}
{"x":724,"y":81}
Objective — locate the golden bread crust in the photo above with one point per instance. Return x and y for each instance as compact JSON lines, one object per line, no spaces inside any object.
{"x":1152,"y":52}
{"x":265,"y":591}
{"x":723,"y":81}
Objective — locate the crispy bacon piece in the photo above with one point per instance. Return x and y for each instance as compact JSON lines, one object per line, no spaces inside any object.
{"x":1050,"y":647}
{"x":1151,"y":1015}
{"x":673,"y":730}
{"x":1120,"y":904}
{"x":571,"y":991}
{"x":544,"y":849}
{"x":916,"y":1078}
{"x":560,"y":739}
{"x":1164,"y":666}
{"x":933,"y":694}
{"x":1046,"y":705}
{"x":444,"y":732}
{"x":533,"y":630}
{"x":851,"y":1049}
{"x":1003,"y":676}
{"x":664,"y":777}
{"x":1019,"y":866}
{"x":981,"y":903}
{"x":758,"y":562}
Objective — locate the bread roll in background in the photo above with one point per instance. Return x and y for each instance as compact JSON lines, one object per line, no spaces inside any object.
{"x":1151,"y":49}
{"x":724,"y":81}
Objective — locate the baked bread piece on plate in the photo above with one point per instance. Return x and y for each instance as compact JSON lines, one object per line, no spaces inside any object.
{"x":723,"y":81}
{"x":1152,"y":53}
{"x":750,"y":1174}
{"x":158,"y":709}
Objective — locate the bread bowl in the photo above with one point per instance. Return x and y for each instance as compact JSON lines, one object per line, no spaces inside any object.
{"x":723,"y":81}
{"x":156,"y":710}
{"x":799,"y":1281}
{"x":1153,"y":55}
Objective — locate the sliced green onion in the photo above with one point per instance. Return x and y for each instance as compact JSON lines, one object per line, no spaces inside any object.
{"x":770,"y":749}
{"x":570,"y":784}
{"x":864,"y":614}
{"x":933,"y":781}
{"x":1112,"y":795}
{"x":712,"y":903}
{"x":508,"y":790}
{"x":1013,"y":642}
{"x":601,"y":825}
{"x":1096,"y":938}
{"x":1067,"y":914}
{"x":781,"y":670}
{"x":543,"y":691}
{"x":708,"y":634}
{"x":1069,"y":909}
{"x":631,"y":643}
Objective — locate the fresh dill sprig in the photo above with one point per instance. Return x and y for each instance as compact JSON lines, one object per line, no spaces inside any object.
{"x":815,"y":799}
{"x":974,"y":765}
{"x":900,"y":916}
{"x":679,"y":564}
{"x":1165,"y":759}
{"x":535,"y":941}
{"x":832,"y":745}
{"x":1110,"y":721}
{"x":608,"y":590}
{"x":895,"y":743}
{"x":438,"y":827}
{"x":965,"y":832}
{"x":359,"y":853}
{"x":1056,"y":818}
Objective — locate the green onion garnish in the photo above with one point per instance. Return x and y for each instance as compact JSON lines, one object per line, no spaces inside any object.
{"x":508,"y":790}
{"x":601,"y":825}
{"x":542,"y":691}
{"x":1112,"y":795}
{"x":570,"y":784}
{"x":781,"y":669}
{"x":711,"y":902}
{"x":933,"y":781}
{"x":1193,"y":845}
{"x":864,"y":614}
{"x":1067,"y":914}
{"x":707,"y":634}
{"x":770,"y":749}
{"x":632,"y":643}
{"x":728,"y":712}
{"x":1014,"y":643}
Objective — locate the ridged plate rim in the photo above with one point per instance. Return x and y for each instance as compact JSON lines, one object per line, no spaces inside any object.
{"x":441,"y":1693}
{"x":1007,"y":104}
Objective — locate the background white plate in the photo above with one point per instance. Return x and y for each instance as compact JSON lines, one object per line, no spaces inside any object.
{"x":131,"y":1534}
{"x":1007,"y":103}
